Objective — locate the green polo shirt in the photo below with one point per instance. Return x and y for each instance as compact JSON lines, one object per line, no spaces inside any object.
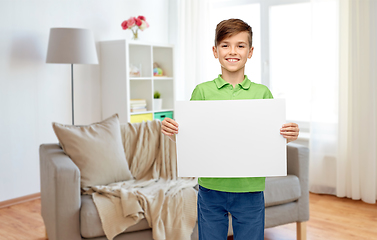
{"x":219,"y":89}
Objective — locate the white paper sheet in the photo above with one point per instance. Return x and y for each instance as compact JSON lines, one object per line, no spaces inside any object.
{"x":231,"y":138}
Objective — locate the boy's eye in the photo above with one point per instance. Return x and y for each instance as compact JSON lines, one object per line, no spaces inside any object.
{"x":224,"y":45}
{"x":241,"y":46}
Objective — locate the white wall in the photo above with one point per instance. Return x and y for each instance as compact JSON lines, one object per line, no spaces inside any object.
{"x":34,"y":94}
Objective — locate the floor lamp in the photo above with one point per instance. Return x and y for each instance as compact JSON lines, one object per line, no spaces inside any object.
{"x":73,"y":46}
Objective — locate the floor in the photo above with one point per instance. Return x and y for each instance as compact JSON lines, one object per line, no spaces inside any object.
{"x":330,"y":218}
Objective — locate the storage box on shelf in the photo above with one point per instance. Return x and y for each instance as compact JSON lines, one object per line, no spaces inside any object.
{"x":127,"y":73}
{"x":163,"y":115}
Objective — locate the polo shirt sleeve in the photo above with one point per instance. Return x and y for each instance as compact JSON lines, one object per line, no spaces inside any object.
{"x":267,"y":94}
{"x":197,"y":94}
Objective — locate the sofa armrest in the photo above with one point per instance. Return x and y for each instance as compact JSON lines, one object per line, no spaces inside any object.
{"x":60,"y":193}
{"x":298,"y":164}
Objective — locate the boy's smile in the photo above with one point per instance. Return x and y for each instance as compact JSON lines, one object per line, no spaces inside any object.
{"x":233,"y":53}
{"x":232,"y":59}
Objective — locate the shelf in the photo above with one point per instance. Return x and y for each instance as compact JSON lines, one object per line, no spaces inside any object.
{"x":163,"y":110}
{"x":150,"y":78}
{"x":163,"y":56}
{"x":121,"y":57}
{"x":140,"y":78}
{"x":140,"y":57}
{"x":136,"y":113}
{"x":155,"y":111}
{"x":162,"y":78}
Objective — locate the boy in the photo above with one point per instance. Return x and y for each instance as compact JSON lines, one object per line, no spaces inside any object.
{"x":242,"y":197}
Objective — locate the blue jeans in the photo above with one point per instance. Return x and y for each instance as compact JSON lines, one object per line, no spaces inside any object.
{"x":247,"y":211}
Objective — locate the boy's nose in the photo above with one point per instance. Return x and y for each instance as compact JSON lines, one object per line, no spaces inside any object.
{"x":233,"y":50}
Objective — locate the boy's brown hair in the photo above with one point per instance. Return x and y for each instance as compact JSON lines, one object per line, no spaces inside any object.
{"x":230,"y":27}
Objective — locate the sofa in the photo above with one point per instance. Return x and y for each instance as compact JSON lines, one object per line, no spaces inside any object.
{"x":68,"y":214}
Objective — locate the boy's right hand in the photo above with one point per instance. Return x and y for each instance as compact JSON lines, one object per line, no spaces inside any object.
{"x":169,"y":127}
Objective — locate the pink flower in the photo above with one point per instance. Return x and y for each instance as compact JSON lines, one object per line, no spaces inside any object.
{"x":131,"y":22}
{"x":124,"y":25}
{"x":138,"y":22}
{"x":144,"y":25}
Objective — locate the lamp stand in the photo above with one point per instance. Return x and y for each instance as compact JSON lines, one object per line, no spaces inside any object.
{"x":73,"y":110}
{"x":71,"y":46}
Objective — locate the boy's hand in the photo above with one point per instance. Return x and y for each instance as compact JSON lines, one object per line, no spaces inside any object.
{"x":290,"y":131}
{"x":169,"y":127}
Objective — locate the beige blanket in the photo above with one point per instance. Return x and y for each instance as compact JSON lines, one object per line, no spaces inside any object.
{"x":167,"y":202}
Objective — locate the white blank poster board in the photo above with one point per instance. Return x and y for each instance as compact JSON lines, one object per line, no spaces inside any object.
{"x":231,"y":138}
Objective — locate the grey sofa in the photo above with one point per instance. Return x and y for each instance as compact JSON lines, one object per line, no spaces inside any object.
{"x":287,"y":198}
{"x":69,"y":215}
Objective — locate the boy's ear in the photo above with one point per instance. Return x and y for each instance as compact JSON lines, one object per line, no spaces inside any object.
{"x":250,"y":52}
{"x":214,"y":49}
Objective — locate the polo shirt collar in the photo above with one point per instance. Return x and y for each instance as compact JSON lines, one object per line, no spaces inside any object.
{"x":220,"y":82}
{"x":246,"y":83}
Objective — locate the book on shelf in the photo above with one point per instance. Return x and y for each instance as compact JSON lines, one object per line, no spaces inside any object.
{"x":139,"y":110}
{"x":138,"y":105}
{"x":138,"y":101}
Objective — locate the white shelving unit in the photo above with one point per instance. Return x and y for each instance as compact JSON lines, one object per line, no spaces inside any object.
{"x":118,"y":87}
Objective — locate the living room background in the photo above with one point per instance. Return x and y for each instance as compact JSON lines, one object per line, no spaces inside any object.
{"x":34,"y":94}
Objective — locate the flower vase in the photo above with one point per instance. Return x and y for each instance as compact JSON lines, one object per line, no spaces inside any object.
{"x":135,"y":36}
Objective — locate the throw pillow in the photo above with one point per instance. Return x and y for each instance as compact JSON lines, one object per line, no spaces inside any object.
{"x":96,"y":150}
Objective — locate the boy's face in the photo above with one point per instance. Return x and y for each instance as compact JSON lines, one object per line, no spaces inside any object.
{"x":233,"y":52}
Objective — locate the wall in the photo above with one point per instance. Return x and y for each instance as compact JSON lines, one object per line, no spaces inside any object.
{"x":34,"y":94}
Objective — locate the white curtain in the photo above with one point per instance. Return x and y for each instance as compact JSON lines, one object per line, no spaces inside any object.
{"x":324,"y":114}
{"x":343,"y":143}
{"x":189,"y":33}
{"x":357,"y":163}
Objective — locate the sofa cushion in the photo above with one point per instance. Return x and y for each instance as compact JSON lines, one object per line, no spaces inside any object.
{"x":97,"y":150}
{"x":280,"y":190}
{"x":90,"y":222}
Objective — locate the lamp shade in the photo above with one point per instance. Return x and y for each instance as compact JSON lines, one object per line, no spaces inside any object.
{"x":71,"y":45}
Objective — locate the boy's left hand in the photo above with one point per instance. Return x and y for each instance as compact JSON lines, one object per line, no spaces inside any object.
{"x":290,"y":131}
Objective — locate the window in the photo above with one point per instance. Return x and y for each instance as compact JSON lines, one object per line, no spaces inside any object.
{"x":282,"y":38}
{"x":290,"y":66}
